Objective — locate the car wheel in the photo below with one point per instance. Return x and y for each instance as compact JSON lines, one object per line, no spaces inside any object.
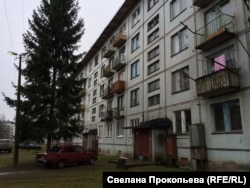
{"x":61,"y":164}
{"x":91,"y":161}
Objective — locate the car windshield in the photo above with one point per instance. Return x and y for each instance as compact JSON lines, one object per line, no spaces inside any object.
{"x":55,"y":148}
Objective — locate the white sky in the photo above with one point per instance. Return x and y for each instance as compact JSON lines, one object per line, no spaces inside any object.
{"x":14,"y":15}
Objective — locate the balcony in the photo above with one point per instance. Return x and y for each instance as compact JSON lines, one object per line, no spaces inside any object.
{"x":201,"y":3}
{"x":120,"y":40}
{"x":110,"y":50}
{"x":118,"y":113}
{"x":218,"y":83}
{"x":119,"y":63}
{"x":215,"y":32}
{"x":107,"y":72}
{"x":82,"y":93}
{"x":107,"y":94}
{"x":106,"y":115}
{"x":118,"y":86}
{"x":82,"y":107}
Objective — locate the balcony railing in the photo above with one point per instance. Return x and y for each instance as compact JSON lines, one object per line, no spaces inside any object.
{"x":118,"y":113}
{"x":110,"y":50}
{"x":118,"y":86}
{"x":218,"y":83}
{"x":106,"y":115}
{"x":107,"y":93}
{"x":119,"y":63}
{"x":215,"y":32}
{"x":107,"y":71}
{"x":201,"y":3}
{"x":120,"y":40}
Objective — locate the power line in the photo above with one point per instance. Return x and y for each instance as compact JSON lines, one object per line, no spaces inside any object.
{"x":8,"y":25}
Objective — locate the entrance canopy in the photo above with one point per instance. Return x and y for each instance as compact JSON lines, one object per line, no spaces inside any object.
{"x":158,"y":123}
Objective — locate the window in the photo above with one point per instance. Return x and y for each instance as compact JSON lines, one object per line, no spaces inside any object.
{"x":177,"y":7}
{"x":135,"y":42}
{"x":153,"y":53}
{"x":87,"y":115}
{"x":152,"y":3}
{"x":226,"y":116}
{"x":89,"y":98}
{"x":120,"y":102}
{"x":154,"y":35}
{"x":89,"y":82}
{"x":182,"y":121}
{"x":90,"y":66}
{"x":95,"y":82}
{"x":101,"y":90}
{"x":93,"y":110}
{"x":102,"y":70}
{"x":213,"y":17}
{"x":179,"y":41}
{"x":120,"y":130}
{"x":154,"y":100}
{"x":134,"y":98}
{"x":93,"y":118}
{"x":95,"y":75}
{"x":94,"y":100}
{"x":133,"y":123}
{"x":135,"y":16}
{"x":110,"y":83}
{"x":180,"y":80}
{"x":96,"y":60}
{"x":122,"y":28}
{"x":95,"y":92}
{"x":154,"y":85}
{"x":99,"y":130}
{"x":109,"y":129}
{"x":153,"y":22}
{"x":135,"y":69}
{"x":154,"y":67}
{"x":104,"y":51}
{"x":101,"y":108}
{"x":222,"y":59}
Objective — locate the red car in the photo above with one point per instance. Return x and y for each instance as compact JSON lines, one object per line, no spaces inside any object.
{"x":61,"y":155}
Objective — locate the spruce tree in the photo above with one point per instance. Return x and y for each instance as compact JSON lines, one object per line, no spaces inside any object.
{"x":50,"y":97}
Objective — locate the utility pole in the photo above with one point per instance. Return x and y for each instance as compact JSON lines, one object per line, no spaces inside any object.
{"x":17,"y":125}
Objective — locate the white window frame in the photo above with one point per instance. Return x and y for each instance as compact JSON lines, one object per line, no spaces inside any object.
{"x":120,"y":129}
{"x":179,"y":41}
{"x":180,"y":80}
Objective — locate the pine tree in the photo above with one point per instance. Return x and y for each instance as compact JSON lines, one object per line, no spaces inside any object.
{"x":50,"y":92}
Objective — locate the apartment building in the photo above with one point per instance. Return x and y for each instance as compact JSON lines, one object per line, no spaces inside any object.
{"x":168,"y":81}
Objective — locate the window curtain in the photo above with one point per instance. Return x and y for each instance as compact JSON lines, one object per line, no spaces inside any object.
{"x":220,"y":62}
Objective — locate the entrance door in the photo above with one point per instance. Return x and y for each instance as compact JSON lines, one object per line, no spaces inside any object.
{"x":143,"y":144}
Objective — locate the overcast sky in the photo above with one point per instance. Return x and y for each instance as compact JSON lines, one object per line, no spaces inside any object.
{"x":14,"y":15}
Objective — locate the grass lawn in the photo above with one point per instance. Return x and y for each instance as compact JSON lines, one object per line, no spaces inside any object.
{"x":28,"y":174}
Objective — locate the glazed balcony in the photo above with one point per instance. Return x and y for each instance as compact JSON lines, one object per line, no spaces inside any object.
{"x":218,"y":83}
{"x":201,"y":3}
{"x":120,"y":40}
{"x":119,"y":63}
{"x":107,"y":93}
{"x":110,"y":50}
{"x":107,"y":71}
{"x":118,"y":86}
{"x":106,"y":115}
{"x":118,"y":113}
{"x":215,"y":32}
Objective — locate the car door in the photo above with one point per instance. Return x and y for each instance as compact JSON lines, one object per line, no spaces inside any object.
{"x":79,"y":154}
